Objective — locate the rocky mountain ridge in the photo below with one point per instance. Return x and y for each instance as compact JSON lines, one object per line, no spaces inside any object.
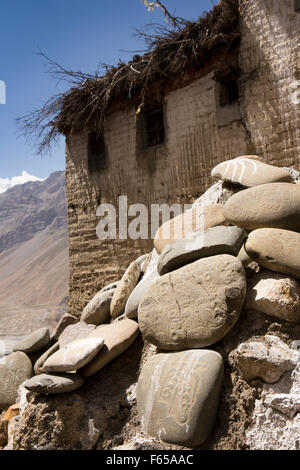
{"x":33,"y":255}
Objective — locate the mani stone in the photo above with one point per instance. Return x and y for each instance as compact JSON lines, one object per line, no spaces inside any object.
{"x":194,"y":306}
{"x":276,"y":250}
{"x":274,"y":294}
{"x":14,"y":370}
{"x":73,"y":332}
{"x":97,"y":310}
{"x":54,"y":383}
{"x":74,"y":355}
{"x":214,"y":241}
{"x":196,"y":218}
{"x":249,"y":172}
{"x":267,"y":358}
{"x":117,"y":338}
{"x":275,"y":205}
{"x":124,"y":289}
{"x":178,"y":395}
{"x":37,"y":340}
{"x":38,"y":366}
{"x":137,"y":294}
{"x":66,"y":320}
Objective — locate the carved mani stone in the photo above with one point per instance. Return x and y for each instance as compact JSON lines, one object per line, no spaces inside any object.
{"x":194,"y":306}
{"x":275,"y":249}
{"x":197,"y":218}
{"x":275,"y":205}
{"x":178,"y":395}
{"x":249,"y":171}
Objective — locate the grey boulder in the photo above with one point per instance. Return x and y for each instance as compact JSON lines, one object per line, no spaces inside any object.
{"x":34,"y":342}
{"x":74,"y":355}
{"x":137,"y":294}
{"x":49,"y":384}
{"x":198,"y":244}
{"x":14,"y":370}
{"x":73,"y":332}
{"x":97,"y":310}
{"x":38,"y":366}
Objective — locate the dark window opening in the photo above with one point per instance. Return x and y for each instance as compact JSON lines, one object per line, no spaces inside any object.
{"x":154,"y":130}
{"x":96,"y":152}
{"x":297,"y":5}
{"x":229,"y":92}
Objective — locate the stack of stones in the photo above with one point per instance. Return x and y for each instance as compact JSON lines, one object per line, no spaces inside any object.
{"x":184,"y":298}
{"x":203,"y":286}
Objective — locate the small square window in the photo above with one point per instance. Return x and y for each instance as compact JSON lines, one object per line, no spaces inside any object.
{"x":96,"y":152}
{"x":297,"y":5}
{"x":154,"y":130}
{"x":229,"y":92}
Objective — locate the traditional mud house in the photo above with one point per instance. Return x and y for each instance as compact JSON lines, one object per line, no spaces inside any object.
{"x":152,"y":129}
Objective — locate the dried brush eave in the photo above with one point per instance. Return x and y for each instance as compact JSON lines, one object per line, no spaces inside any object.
{"x":171,"y":54}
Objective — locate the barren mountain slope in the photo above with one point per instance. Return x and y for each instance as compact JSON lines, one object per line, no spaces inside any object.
{"x":33,"y":255}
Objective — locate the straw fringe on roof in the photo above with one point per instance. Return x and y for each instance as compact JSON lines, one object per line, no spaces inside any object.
{"x":171,"y":54}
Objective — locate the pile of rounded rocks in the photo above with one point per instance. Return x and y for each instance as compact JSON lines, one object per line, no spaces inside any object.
{"x":241,"y":250}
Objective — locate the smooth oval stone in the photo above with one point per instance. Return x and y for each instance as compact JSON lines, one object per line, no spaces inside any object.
{"x":37,"y":340}
{"x":124,"y":289}
{"x":117,"y":338}
{"x":71,"y":333}
{"x":275,"y":249}
{"x":194,"y":306}
{"x":38,"y":366}
{"x":274,"y":294}
{"x":214,"y":241}
{"x":66,"y":320}
{"x":74,"y":355}
{"x":197,"y":218}
{"x":178,"y":395}
{"x":275,"y":205}
{"x":250,"y":172}
{"x":46,"y":384}
{"x":14,"y":370}
{"x":97,"y":310}
{"x":137,"y":294}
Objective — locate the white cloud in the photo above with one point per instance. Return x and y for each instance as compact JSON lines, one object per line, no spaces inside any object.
{"x":6,"y":183}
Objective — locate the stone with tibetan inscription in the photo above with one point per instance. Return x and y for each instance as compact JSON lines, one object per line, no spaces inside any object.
{"x":178,"y":395}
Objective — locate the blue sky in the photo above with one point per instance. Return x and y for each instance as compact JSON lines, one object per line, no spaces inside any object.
{"x":77,"y":34}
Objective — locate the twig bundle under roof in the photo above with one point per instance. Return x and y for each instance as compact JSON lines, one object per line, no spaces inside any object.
{"x":171,"y":53}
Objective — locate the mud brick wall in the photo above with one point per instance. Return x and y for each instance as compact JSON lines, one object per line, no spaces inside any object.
{"x":199,"y":135}
{"x":270,"y":82}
